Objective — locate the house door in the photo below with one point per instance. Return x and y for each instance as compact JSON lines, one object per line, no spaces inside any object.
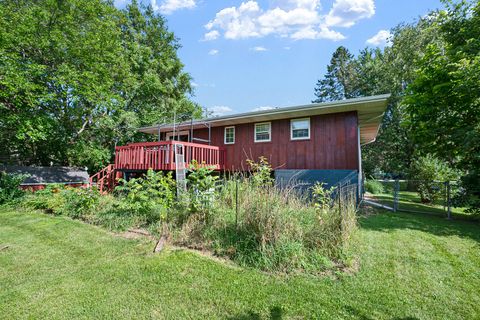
{"x":179,"y":136}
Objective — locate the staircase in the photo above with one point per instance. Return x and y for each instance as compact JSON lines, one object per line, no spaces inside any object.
{"x":104,"y":180}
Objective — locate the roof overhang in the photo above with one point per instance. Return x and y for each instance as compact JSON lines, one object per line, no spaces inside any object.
{"x":370,"y":112}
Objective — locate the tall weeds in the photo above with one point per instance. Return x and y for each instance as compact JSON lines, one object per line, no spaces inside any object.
{"x":276,"y":229}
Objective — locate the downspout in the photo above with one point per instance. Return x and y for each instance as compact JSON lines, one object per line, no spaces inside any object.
{"x":360,"y":182}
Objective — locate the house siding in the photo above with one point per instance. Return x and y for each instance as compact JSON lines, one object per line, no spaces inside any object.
{"x":333,"y":144}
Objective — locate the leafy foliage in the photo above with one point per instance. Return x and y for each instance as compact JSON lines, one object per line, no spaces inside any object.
{"x":79,"y":202}
{"x":430,"y":173}
{"x":261,"y":172}
{"x":201,"y":184}
{"x":10,"y":186}
{"x":152,"y":194}
{"x":443,"y":101}
{"x":322,"y":197}
{"x":77,"y":76}
{"x":373,"y":186}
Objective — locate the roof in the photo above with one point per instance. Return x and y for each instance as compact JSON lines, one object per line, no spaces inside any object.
{"x":370,"y":112}
{"x":43,"y":175}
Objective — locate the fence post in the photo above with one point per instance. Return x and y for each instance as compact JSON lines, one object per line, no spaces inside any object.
{"x":396,"y":190}
{"x":449,"y":205}
{"x":445,"y":196}
{"x":236,"y":203}
{"x":340,"y":200}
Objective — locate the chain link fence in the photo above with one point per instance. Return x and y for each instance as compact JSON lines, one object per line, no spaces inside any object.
{"x":417,"y":196}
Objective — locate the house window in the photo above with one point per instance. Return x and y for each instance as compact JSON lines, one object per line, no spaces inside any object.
{"x":263,"y":132}
{"x":300,"y":129}
{"x":229,"y":135}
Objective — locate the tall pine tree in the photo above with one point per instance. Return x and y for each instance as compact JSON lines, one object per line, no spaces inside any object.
{"x":339,"y":81}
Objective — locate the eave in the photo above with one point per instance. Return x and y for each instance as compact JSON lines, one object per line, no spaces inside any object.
{"x":370,"y":112}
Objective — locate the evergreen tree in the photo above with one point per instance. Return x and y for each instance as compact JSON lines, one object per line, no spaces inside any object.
{"x":338,"y":82}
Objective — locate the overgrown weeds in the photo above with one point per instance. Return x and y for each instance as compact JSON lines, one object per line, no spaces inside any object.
{"x":245,"y":218}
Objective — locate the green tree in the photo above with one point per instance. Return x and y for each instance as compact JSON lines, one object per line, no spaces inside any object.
{"x":77,"y":76}
{"x":338,"y":82}
{"x":443,"y":103}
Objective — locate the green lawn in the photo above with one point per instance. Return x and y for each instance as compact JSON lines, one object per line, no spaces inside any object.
{"x":411,"y":267}
{"x":410,"y":201}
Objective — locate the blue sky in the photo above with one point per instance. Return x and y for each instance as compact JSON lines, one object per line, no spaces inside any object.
{"x":246,"y":55}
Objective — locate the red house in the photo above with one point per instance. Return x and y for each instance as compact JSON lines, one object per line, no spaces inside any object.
{"x":312,"y":142}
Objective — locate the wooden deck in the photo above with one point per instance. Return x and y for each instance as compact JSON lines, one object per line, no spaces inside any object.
{"x":161,"y":155}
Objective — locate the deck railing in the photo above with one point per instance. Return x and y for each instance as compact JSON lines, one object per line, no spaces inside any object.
{"x":161,"y":156}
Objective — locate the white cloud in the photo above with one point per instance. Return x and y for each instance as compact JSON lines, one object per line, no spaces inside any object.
{"x":321,"y":33}
{"x":345,"y":13}
{"x":212,"y":35}
{"x":194,"y":84}
{"x":219,"y":110}
{"x":213,"y":52}
{"x":382,"y":38}
{"x":259,"y":49}
{"x":237,"y":22}
{"x":286,"y":48}
{"x":296,"y":19}
{"x":264,"y":108}
{"x":169,"y":6}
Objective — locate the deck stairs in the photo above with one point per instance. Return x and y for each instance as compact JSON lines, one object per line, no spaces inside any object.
{"x":104,"y":179}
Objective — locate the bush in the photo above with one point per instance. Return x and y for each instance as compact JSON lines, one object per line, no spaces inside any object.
{"x":10,"y":186}
{"x":201,"y":185}
{"x":49,"y":199}
{"x":79,"y":202}
{"x":72,"y":202}
{"x":374,"y":187}
{"x":150,"y":196}
{"x":430,"y":173}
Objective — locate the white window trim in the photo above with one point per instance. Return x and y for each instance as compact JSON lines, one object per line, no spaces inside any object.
{"x":291,"y":129}
{"x":169,"y":135}
{"x":269,"y":132}
{"x":225,"y":135}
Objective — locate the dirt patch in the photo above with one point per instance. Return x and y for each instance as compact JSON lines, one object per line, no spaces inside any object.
{"x":136,"y":234}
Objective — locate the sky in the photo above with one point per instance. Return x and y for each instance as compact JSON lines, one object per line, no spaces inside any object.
{"x":255,"y":55}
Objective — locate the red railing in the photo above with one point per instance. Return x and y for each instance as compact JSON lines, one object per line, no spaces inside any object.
{"x":161,"y":155}
{"x":104,"y":179}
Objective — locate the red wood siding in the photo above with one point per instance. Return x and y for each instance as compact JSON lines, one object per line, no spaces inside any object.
{"x":333,"y":144}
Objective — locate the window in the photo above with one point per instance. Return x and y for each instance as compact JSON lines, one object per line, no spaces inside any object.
{"x":300,"y":129}
{"x":179,"y":136}
{"x":263,"y":132}
{"x":229,"y":135}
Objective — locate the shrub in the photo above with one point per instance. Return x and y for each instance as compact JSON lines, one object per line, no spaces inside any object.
{"x":201,"y":186}
{"x":261,"y":172}
{"x":322,"y":197}
{"x":79,"y":202}
{"x":150,"y":196}
{"x":10,"y":186}
{"x":374,"y":186}
{"x":430,"y":172}
{"x":49,"y":199}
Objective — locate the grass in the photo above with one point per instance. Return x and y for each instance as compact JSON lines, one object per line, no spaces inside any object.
{"x":410,"y":201}
{"x":411,"y":267}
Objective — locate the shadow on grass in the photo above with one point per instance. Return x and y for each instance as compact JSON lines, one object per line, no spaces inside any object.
{"x":389,"y":221}
{"x":275,"y":314}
